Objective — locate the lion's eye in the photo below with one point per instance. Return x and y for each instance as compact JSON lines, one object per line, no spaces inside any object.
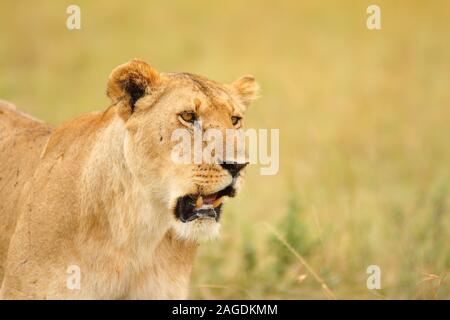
{"x":235,"y":120}
{"x":188,"y":116}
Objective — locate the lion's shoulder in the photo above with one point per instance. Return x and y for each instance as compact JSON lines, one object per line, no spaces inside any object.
{"x":79,"y":132}
{"x":13,"y":120}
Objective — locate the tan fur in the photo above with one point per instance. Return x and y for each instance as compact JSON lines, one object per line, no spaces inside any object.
{"x":99,"y":191}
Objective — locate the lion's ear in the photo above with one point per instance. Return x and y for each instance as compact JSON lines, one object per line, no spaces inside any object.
{"x":247,"y":89}
{"x":131,"y":81}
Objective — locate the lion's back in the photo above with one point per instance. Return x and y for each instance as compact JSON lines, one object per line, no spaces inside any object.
{"x":22,"y":139}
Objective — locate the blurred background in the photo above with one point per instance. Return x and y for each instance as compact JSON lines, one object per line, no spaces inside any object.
{"x":364,"y":119}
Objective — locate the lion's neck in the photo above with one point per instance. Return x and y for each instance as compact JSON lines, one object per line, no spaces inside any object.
{"x":112,"y":198}
{"x":126,"y":227}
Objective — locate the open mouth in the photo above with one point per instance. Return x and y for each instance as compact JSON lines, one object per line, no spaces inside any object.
{"x":198,"y":206}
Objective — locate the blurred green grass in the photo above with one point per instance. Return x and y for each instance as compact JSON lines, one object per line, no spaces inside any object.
{"x":363,"y":117}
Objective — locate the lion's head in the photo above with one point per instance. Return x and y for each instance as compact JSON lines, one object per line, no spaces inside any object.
{"x":153,"y":105}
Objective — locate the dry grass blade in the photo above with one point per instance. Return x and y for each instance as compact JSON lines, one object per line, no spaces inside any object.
{"x":327,"y":291}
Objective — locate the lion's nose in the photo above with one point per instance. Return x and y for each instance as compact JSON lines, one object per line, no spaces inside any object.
{"x":233,"y":168}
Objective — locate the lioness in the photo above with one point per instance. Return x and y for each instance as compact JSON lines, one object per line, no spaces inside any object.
{"x":100,"y":195}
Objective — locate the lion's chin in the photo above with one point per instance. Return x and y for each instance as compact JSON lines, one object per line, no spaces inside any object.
{"x":199,"y":230}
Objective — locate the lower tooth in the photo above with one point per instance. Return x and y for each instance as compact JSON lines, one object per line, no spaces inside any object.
{"x":217,"y":202}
